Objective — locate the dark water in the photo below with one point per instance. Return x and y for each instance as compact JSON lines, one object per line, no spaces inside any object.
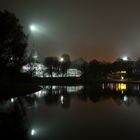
{"x":92,"y":112}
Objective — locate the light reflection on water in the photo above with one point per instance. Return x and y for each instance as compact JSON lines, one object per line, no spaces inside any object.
{"x":119,"y":91}
{"x":50,"y":111}
{"x":57,"y":90}
{"x":115,"y":86}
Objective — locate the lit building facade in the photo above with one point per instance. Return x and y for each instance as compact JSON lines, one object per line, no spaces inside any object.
{"x":36,"y":68}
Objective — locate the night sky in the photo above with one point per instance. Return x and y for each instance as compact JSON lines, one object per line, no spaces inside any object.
{"x":91,"y":29}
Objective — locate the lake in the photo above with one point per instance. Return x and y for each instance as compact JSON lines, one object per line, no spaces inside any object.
{"x":91,"y":112}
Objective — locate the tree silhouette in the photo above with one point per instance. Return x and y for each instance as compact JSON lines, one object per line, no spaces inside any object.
{"x":13,"y":41}
{"x":52,"y":64}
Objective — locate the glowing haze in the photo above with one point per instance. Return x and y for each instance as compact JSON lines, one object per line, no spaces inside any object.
{"x":92,"y":29}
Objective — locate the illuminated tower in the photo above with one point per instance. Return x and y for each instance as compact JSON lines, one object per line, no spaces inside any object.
{"x":34,"y":56}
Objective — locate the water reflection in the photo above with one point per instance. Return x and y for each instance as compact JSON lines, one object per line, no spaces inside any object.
{"x":53,"y":95}
{"x":115,"y":86}
{"x":20,"y":109}
{"x":14,"y":123}
{"x":62,"y":95}
{"x":21,"y":117}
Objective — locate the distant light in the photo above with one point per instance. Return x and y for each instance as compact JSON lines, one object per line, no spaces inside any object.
{"x":62,"y":99}
{"x":12,"y":100}
{"x":123,"y":72}
{"x":121,"y":86}
{"x":125,"y":58}
{"x":125,"y":98}
{"x":122,"y":78}
{"x":61,"y":59}
{"x":11,"y":58}
{"x":40,"y":93}
{"x":74,"y":88}
{"x":26,"y":68}
{"x":103,"y":86}
{"x":33,"y":132}
{"x":34,"y":28}
{"x":138,"y":88}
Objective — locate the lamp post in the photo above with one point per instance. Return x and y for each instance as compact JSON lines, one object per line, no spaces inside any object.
{"x":61,"y":60}
{"x":33,"y":30}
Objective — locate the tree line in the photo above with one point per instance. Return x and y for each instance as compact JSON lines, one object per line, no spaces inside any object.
{"x":95,"y":69}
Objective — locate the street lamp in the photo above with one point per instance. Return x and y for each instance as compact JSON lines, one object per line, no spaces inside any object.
{"x":61,"y":60}
{"x":34,"y":28}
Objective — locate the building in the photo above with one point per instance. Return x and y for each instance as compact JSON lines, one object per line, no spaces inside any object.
{"x":36,"y":67}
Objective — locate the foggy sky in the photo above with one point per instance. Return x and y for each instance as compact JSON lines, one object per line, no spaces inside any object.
{"x":91,"y":29}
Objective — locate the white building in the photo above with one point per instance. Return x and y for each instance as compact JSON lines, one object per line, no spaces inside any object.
{"x":38,"y":69}
{"x":73,"y":72}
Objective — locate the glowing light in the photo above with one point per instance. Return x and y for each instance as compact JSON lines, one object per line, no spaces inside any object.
{"x":62,"y":99}
{"x":121,"y":86}
{"x":138,"y":88}
{"x":33,"y":28}
{"x":123,"y":72}
{"x":125,"y":58}
{"x":122,"y":78}
{"x":40,"y":93}
{"x":33,"y":132}
{"x":73,"y":72}
{"x":12,"y":100}
{"x":103,"y":86}
{"x":125,"y":98}
{"x":54,"y":87}
{"x":11,"y":58}
{"x":61,"y":59}
{"x":74,"y":88}
{"x":26,"y":68}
